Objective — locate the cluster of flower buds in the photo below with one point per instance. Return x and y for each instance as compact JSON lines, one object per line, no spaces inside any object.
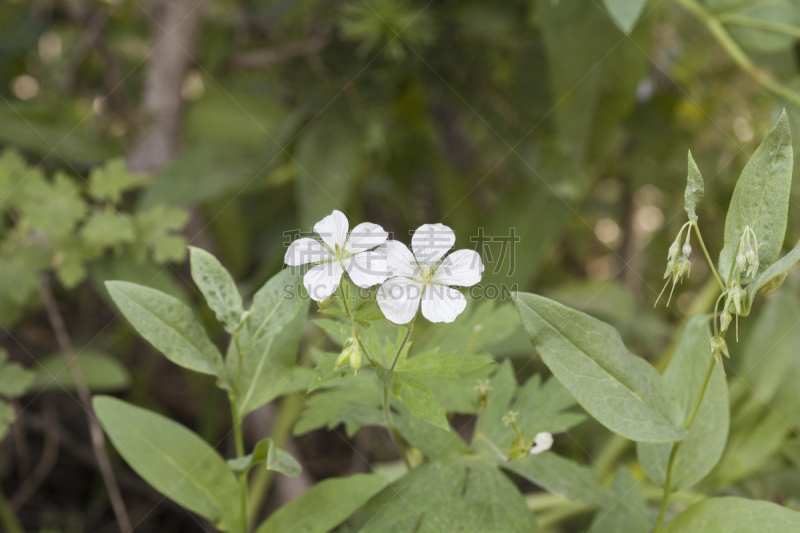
{"x":734,"y":297}
{"x":747,"y":256}
{"x":350,"y":354}
{"x":483,"y":388}
{"x":678,"y":264}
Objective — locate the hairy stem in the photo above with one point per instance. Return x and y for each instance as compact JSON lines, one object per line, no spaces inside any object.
{"x":715,"y":25}
{"x":239,"y":437}
{"x":352,"y":320}
{"x":95,"y":431}
{"x":671,"y":465}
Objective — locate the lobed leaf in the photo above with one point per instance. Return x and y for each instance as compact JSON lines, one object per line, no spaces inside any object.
{"x":274,"y":458}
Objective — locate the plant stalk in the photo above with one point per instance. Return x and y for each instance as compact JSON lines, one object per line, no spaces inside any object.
{"x":717,"y":28}
{"x":239,"y":437}
{"x":673,"y":454}
{"x":708,"y":257}
{"x":95,"y":431}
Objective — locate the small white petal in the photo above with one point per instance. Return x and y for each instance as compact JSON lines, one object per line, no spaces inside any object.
{"x":431,"y":241}
{"x":542,"y":442}
{"x":398,"y":298}
{"x":333,"y":229}
{"x":364,"y":237}
{"x":442,"y":304}
{"x":399,"y":259}
{"x":323,"y":280}
{"x":463,"y":268}
{"x":367,"y":268}
{"x":304,"y":251}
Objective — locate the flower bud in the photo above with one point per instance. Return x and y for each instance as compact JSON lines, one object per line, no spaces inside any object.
{"x":483,"y":389}
{"x":344,"y":358}
{"x":673,"y":251}
{"x":687,"y":249}
{"x":682,"y":266}
{"x":355,"y":360}
{"x":741,"y":261}
{"x":735,"y":296}
{"x":719,"y":347}
{"x":724,"y":321}
{"x":750,"y":255}
{"x":541,"y":443}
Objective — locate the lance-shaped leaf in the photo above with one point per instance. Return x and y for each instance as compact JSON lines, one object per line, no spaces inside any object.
{"x":217,"y":287}
{"x":694,"y":189}
{"x":324,"y":506}
{"x":268,"y":342}
{"x":703,"y":446}
{"x":267,"y":452}
{"x":734,"y":514}
{"x":566,"y":478}
{"x":771,"y":278}
{"x":625,"y":13}
{"x":175,"y":461}
{"x":169,"y":325}
{"x":622,"y":391}
{"x":761,"y":199}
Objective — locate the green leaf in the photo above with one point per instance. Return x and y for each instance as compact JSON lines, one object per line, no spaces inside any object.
{"x":169,"y":326}
{"x":267,"y":452}
{"x":157,"y":229}
{"x":566,"y":478}
{"x":53,"y":207}
{"x":101,"y":372}
{"x":771,"y":278}
{"x":625,"y":13}
{"x":703,"y":446}
{"x":356,"y":401}
{"x":107,"y":228}
{"x":269,"y":340}
{"x":694,"y":189}
{"x":175,"y":461}
{"x":630,"y":514}
{"x":734,"y":514}
{"x":14,"y":378}
{"x":460,"y":494}
{"x":744,"y":20}
{"x":111,"y":180}
{"x":433,"y":441}
{"x":324,"y":506}
{"x":421,"y":402}
{"x":622,"y":391}
{"x":761,"y":199}
{"x":432,"y":363}
{"x":217,"y":287}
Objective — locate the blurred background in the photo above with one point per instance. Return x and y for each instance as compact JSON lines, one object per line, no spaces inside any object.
{"x":131,"y":128}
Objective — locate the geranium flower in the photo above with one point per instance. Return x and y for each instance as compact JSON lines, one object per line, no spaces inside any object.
{"x":338,"y":254}
{"x":422,"y":276}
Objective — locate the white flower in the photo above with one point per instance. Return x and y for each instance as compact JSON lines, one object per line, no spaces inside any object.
{"x":422,"y":276}
{"x":339,"y":254}
{"x":542,"y":442}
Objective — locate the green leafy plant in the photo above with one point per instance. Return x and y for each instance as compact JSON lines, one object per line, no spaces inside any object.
{"x":386,"y":376}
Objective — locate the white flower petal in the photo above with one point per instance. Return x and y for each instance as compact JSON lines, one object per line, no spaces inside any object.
{"x":304,"y":251}
{"x":431,"y":241}
{"x":364,"y":237}
{"x":367,"y":268}
{"x":333,"y":229}
{"x":542,"y":442}
{"x":398,"y":298}
{"x":441,"y":303}
{"x":463,"y":268}
{"x":399,"y":259}
{"x":323,"y":280}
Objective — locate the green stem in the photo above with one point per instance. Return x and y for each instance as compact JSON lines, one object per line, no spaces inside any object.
{"x":239,"y":437}
{"x":708,"y":257}
{"x":717,"y":28}
{"x":7,"y":516}
{"x":291,"y":407}
{"x":352,"y":320}
{"x":396,"y":437}
{"x":407,"y":336}
{"x":671,"y":465}
{"x":759,"y":24}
